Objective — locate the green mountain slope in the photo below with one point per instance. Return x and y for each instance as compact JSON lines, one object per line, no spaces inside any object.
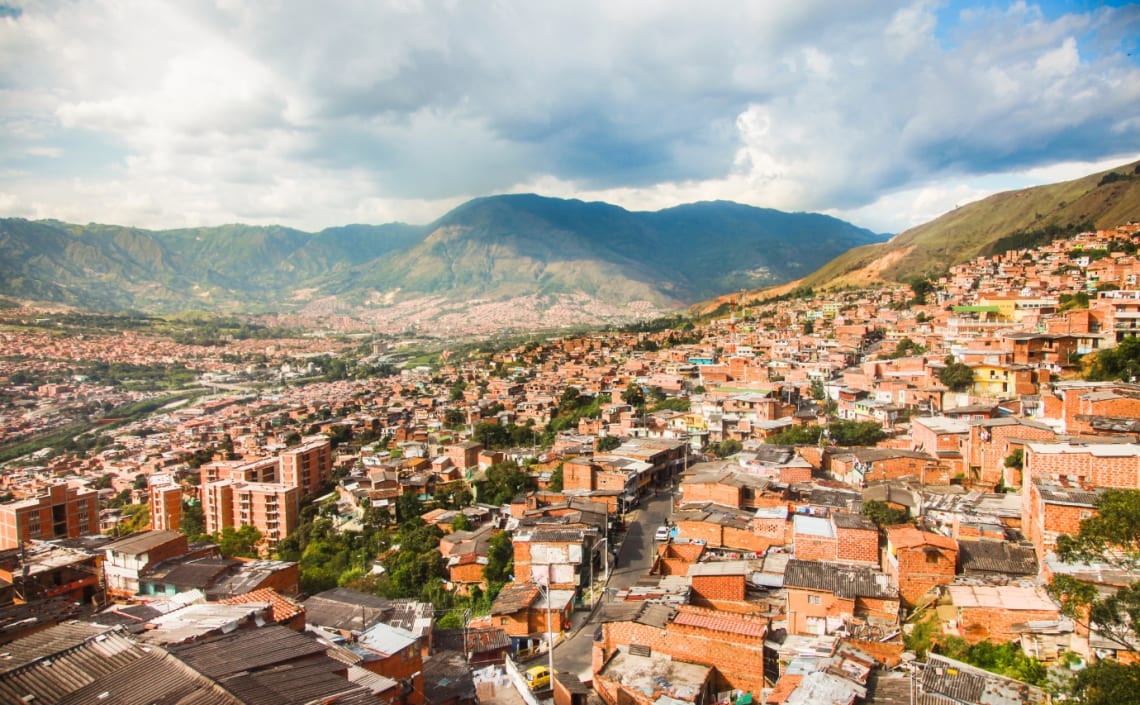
{"x":494,"y":248}
{"x":1002,"y":221}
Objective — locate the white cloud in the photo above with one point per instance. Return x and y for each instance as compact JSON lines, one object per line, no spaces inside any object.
{"x":164,"y":113}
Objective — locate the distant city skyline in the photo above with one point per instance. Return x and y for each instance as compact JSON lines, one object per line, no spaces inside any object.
{"x":164,"y":114}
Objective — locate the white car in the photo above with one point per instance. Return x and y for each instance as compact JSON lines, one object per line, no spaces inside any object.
{"x":662,"y":534}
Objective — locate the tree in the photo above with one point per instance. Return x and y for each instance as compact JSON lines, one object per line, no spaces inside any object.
{"x":817,"y":390}
{"x":921,"y":287}
{"x":608,"y":443}
{"x":556,"y":480}
{"x":884,"y":514}
{"x":454,"y":418}
{"x":855,"y":433}
{"x":504,"y":482}
{"x":633,"y":395}
{"x":729,"y":446}
{"x":193,"y":520}
{"x":1112,"y":536}
{"x":796,"y":436}
{"x":408,"y":506}
{"x":500,"y":559}
{"x":957,"y":376}
{"x":1016,"y":458}
{"x":239,"y":542}
{"x":1107,"y":682}
{"x":1121,"y":362}
{"x":492,"y":434}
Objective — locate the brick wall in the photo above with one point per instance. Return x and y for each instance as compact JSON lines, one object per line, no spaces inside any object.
{"x":719,"y":587}
{"x":981,"y":623}
{"x":738,"y":660}
{"x":809,"y":547}
{"x":857,"y":545}
{"x":920,"y":569}
{"x":727,"y":495}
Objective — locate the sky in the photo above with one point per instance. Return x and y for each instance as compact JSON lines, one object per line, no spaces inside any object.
{"x":190,"y":113}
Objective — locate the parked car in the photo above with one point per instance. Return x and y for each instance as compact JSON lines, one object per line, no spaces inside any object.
{"x":662,"y":534}
{"x":538,"y":678}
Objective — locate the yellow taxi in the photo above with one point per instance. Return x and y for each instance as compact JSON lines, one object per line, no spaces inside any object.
{"x":538,"y":678}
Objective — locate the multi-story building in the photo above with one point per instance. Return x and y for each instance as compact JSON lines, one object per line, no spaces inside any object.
{"x":270,"y":508}
{"x":307,"y":466}
{"x":60,"y":512}
{"x":165,"y":503}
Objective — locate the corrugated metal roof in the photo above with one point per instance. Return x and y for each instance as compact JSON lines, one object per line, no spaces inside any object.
{"x":291,"y":683}
{"x":48,"y":642}
{"x":247,"y":650}
{"x":840,"y":580}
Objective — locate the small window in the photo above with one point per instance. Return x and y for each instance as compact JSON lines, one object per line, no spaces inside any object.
{"x":814,"y":600}
{"x":931,"y":557}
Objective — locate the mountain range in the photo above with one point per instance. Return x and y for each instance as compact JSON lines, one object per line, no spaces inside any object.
{"x":525,"y":262}
{"x":518,"y":250}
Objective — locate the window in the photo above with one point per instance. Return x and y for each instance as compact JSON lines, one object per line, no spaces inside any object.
{"x":503,"y":621}
{"x":814,"y":600}
{"x":931,"y":557}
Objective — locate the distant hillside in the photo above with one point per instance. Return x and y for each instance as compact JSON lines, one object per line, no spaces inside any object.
{"x":1003,"y":221}
{"x":498,"y":248}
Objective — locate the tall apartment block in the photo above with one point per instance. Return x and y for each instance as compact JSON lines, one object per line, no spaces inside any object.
{"x":259,"y":470}
{"x":307,"y":466}
{"x":165,"y":503}
{"x":270,"y":508}
{"x":60,"y":512}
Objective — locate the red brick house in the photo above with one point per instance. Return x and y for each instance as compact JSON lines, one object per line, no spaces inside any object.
{"x":824,"y":598}
{"x":733,"y":645}
{"x":999,"y":613}
{"x":919,"y":560}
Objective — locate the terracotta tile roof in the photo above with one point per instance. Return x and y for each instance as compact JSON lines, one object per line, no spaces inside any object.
{"x":908,"y":536}
{"x":283,"y":608}
{"x":726,"y":624}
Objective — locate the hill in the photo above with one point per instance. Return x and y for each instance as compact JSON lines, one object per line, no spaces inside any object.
{"x":542,"y":253}
{"x":1000,"y":222}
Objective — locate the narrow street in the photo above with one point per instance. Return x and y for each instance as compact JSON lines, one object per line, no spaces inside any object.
{"x":635,"y":558}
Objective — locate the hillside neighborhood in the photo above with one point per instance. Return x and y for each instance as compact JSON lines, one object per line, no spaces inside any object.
{"x":823,"y":497}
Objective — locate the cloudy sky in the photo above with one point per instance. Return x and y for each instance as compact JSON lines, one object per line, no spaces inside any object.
{"x":312,"y":114}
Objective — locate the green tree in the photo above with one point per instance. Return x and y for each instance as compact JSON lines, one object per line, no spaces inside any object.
{"x":817,"y":390}
{"x":1112,"y":536}
{"x":884,"y":514}
{"x":1121,"y":362}
{"x":454,"y":418}
{"x":608,"y":443}
{"x":729,"y":446}
{"x":633,"y":395}
{"x":556,"y":480}
{"x":492,"y":434}
{"x":193,"y":520}
{"x":1016,"y":459}
{"x":957,"y":376}
{"x":922,"y":287}
{"x":808,"y":434}
{"x":239,"y":542}
{"x":844,"y":432}
{"x":1107,"y":682}
{"x":500,"y":559}
{"x":408,"y":506}
{"x":504,"y":482}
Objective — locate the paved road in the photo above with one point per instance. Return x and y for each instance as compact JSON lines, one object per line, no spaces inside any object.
{"x":635,"y":558}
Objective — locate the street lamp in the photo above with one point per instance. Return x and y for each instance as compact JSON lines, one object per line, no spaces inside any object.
{"x":605,"y":566}
{"x":545,"y":590}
